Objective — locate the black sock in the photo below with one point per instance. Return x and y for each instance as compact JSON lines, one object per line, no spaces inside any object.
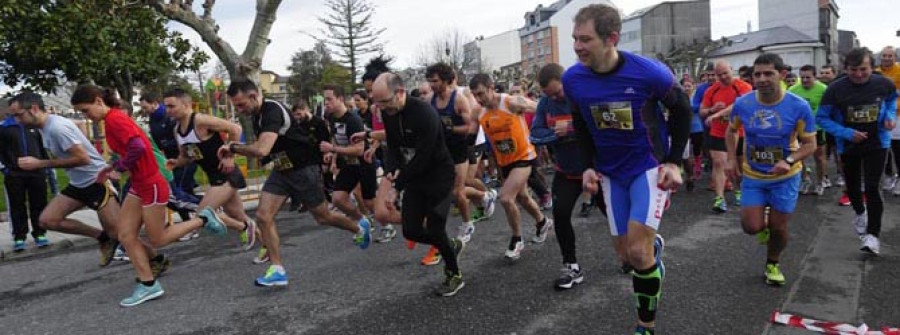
{"x":159,"y":258}
{"x":769,"y":261}
{"x":246,"y":225}
{"x":513,"y":241}
{"x":148,"y":283}
{"x":103,"y":237}
{"x":203,"y":218}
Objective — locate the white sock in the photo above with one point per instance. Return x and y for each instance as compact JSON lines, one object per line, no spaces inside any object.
{"x":574,"y":266}
{"x":278,"y":268}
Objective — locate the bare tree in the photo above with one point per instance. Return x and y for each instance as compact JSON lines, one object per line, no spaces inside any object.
{"x":446,"y":47}
{"x":350,"y":32}
{"x":240,"y":66}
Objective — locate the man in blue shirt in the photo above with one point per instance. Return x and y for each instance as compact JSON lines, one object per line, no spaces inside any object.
{"x":772,"y":119}
{"x":624,"y":138}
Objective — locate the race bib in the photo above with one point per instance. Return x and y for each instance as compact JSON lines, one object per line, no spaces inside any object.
{"x":614,"y":115}
{"x":447,"y":121}
{"x":766,"y":155}
{"x":281,"y":161}
{"x":408,"y":153}
{"x":862,"y":114}
{"x":193,"y":152}
{"x":506,"y":146}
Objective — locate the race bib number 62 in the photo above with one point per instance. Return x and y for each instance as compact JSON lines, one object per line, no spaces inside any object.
{"x":614,"y":115}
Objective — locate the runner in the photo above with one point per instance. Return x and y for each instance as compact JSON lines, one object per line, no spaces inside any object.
{"x":891,"y":70}
{"x":624,"y":137}
{"x":812,"y":90}
{"x":455,"y":113}
{"x":501,"y":118}
{"x":860,"y":110}
{"x":772,"y":120}
{"x":198,"y":138}
{"x":73,"y":152}
{"x":293,"y":149}
{"x":716,"y":108}
{"x":145,"y":205}
{"x":826,"y":76}
{"x":421,"y":169}
{"x":553,"y":124}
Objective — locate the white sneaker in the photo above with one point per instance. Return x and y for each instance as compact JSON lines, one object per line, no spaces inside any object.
{"x":861,"y":222}
{"x":189,"y":236}
{"x":466,"y":231}
{"x":889,"y":183}
{"x":540,"y":234}
{"x":516,"y":252}
{"x":805,"y":186}
{"x":826,"y":182}
{"x":490,"y":203}
{"x":820,"y":189}
{"x":896,"y":191}
{"x":120,"y":255}
{"x":839,"y":181}
{"x":871,"y":244}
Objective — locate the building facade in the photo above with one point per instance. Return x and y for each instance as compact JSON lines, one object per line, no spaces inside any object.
{"x":795,"y":48}
{"x":660,"y":29}
{"x":814,"y":18}
{"x":488,"y":54}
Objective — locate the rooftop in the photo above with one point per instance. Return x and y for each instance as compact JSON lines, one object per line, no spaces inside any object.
{"x":762,"y":38}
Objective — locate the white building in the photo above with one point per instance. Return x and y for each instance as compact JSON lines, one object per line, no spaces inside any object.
{"x":795,"y":48}
{"x":489,"y":54}
{"x":813,"y":18}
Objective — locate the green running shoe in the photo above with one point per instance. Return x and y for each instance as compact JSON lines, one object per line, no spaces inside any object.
{"x":773,"y":275}
{"x":451,"y":285}
{"x":737,"y":198}
{"x":719,"y":205}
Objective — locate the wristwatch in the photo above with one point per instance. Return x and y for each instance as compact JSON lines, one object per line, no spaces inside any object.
{"x":790,"y":160}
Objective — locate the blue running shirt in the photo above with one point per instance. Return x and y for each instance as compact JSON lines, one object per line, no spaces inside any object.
{"x":771,"y":132}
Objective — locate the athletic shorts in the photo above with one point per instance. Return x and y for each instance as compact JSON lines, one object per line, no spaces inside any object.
{"x":739,"y":150}
{"x":304,"y":184}
{"x":821,"y":138}
{"x":235,"y":179}
{"x":637,"y":199}
{"x":151,"y":193}
{"x":475,"y":153}
{"x":94,"y":196}
{"x":697,"y":143}
{"x":506,"y":170}
{"x":781,"y":195}
{"x":363,"y":175}
{"x":716,"y":144}
{"x":459,"y":153}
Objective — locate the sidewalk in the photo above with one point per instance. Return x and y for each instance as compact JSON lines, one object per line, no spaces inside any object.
{"x":60,"y":241}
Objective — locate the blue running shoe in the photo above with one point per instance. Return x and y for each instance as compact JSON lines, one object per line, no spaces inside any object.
{"x":272,"y":278}
{"x":658,"y":245}
{"x":41,"y":241}
{"x":641,"y":330}
{"x":213,"y":222}
{"x":143,"y":293}
{"x":19,"y":245}
{"x":364,"y":237}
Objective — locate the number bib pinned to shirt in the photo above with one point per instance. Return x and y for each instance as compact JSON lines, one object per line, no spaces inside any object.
{"x":766,"y":155}
{"x":193,"y":152}
{"x":862,"y":114}
{"x":281,"y":161}
{"x":614,"y":115}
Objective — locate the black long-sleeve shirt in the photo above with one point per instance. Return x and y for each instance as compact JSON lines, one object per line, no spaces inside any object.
{"x":17,"y":141}
{"x":416,"y":146}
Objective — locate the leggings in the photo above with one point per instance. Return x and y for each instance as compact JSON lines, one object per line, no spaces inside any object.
{"x":895,"y":152}
{"x":429,"y":204}
{"x":868,"y":165}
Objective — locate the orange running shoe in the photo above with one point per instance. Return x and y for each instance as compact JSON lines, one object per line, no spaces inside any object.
{"x":433,"y":257}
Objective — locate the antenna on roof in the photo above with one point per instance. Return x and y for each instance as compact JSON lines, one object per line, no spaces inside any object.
{"x":749,"y":28}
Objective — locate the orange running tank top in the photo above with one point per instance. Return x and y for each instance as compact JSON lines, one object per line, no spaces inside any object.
{"x":507,"y":133}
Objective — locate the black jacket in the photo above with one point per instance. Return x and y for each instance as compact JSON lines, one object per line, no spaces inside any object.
{"x":17,"y":141}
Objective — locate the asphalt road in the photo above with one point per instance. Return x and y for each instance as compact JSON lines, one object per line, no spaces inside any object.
{"x":714,"y":282}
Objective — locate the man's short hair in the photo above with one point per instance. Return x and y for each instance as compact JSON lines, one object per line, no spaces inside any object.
{"x":808,"y":67}
{"x":548,"y":73}
{"x":828,"y":66}
{"x":606,"y":19}
{"x":857,"y":56}
{"x":362,"y":94}
{"x":28,"y":99}
{"x":481,"y":79}
{"x":149,"y":97}
{"x":300,"y":105}
{"x":443,"y":71}
{"x":337,"y":90}
{"x":394,"y":81}
{"x":180,"y":94}
{"x":770,"y":59}
{"x":241,"y":86}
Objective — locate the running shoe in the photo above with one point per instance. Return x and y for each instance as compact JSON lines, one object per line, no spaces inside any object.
{"x":410,"y":244}
{"x":121,"y":255}
{"x":541,"y":231}
{"x":839,"y":181}
{"x":387,"y":234}
{"x":143,"y":293}
{"x":737,"y":198}
{"x":626,"y":268}
{"x":189,"y":236}
{"x":844,"y":200}
{"x":262,"y":256}
{"x":515,"y":249}
{"x":490,"y":204}
{"x":213,"y":222}
{"x":719,"y":205}
{"x":432,"y":257}
{"x":819,"y":189}
{"x":18,"y":245}
{"x":889,"y":183}
{"x":826,"y":182}
{"x":41,"y":241}
{"x":896,"y":191}
{"x":871,"y":244}
{"x":585,"y":209}
{"x":659,"y":244}
{"x":465,"y":231}
{"x":364,"y":237}
{"x":762,"y":237}
{"x":159,"y":265}
{"x":805,"y":187}
{"x":478,"y":215}
{"x":272,"y":277}
{"x":546,"y":202}
{"x":450,"y":286}
{"x":641,"y":330}
{"x":568,"y":278}
{"x":861,"y":222}
{"x":108,"y":251}
{"x":248,"y":235}
{"x":774,"y":275}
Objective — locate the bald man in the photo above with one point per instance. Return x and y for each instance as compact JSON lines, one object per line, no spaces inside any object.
{"x":716,"y":108}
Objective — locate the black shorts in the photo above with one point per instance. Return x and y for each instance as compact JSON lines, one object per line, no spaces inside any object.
{"x":459,"y":152}
{"x":351,"y":175}
{"x":504,"y":171}
{"x":739,"y":150}
{"x":304,"y":184}
{"x":716,"y":144}
{"x":821,"y":137}
{"x":475,"y":153}
{"x":697,"y":143}
{"x":235,"y":179}
{"x":94,"y":196}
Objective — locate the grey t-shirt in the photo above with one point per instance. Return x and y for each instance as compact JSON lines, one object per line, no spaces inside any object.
{"x":60,"y":134}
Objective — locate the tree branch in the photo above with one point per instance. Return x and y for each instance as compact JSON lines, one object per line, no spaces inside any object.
{"x":205,"y":27}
